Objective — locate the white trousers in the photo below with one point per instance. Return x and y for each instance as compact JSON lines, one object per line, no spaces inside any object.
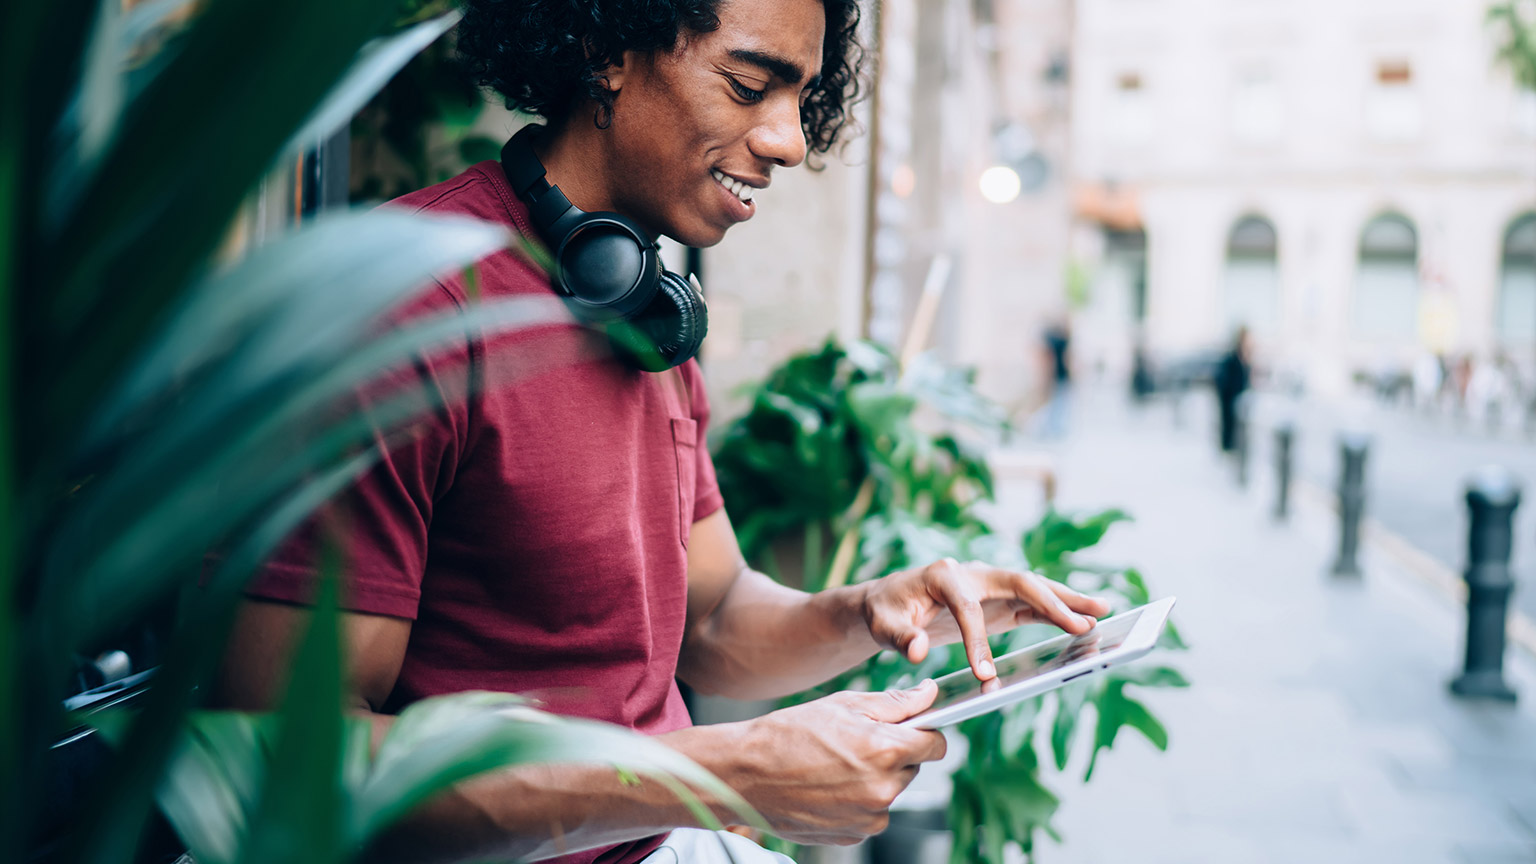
{"x":698,"y":846}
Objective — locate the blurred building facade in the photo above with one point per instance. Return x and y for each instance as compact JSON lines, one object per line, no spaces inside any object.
{"x":961,"y":86}
{"x":1355,"y":182}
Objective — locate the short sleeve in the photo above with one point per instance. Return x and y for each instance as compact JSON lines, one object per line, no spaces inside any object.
{"x":384,"y":518}
{"x":707,"y":498}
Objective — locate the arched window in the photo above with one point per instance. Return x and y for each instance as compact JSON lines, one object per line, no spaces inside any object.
{"x":1387,"y":280}
{"x":1253,"y":275}
{"x":1516,"y":323}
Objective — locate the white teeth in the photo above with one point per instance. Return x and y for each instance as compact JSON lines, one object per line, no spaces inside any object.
{"x":741,"y":190}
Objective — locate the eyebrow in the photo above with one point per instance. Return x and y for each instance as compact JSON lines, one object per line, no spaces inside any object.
{"x":785,"y":70}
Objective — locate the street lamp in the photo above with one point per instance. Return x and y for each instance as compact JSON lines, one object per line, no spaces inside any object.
{"x":1000,"y":184}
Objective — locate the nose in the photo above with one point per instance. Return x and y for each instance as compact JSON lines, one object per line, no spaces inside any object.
{"x":779,"y":138}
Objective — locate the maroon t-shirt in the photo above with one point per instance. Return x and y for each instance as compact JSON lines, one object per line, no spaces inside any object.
{"x":535,"y":531}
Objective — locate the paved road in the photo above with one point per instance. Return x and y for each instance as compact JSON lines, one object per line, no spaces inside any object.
{"x":1417,"y":473}
{"x":1318,"y":727}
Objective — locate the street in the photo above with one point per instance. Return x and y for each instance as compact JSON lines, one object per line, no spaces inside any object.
{"x":1416,"y":472}
{"x":1318,"y":726}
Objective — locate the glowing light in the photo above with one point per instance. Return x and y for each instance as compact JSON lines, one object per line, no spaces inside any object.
{"x":903,"y":180}
{"x":1000,"y":184}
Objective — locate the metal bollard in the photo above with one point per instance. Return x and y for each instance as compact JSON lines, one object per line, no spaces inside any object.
{"x":1244,"y":408}
{"x":1285,"y":436}
{"x":1493,"y":494}
{"x":1352,"y":451}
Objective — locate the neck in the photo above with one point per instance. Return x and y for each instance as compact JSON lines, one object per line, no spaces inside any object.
{"x":573,"y":159}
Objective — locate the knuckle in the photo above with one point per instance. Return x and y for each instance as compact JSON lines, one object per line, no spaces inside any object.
{"x":944,"y":566}
{"x":886,"y":755}
{"x":878,"y":823}
{"x":940,"y":745}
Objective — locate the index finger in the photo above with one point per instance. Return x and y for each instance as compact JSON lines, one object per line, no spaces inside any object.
{"x":972,"y":621}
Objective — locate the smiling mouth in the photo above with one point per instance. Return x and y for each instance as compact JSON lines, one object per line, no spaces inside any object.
{"x":742,"y":191}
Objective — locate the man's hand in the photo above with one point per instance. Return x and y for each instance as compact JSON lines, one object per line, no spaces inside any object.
{"x":826,"y":772}
{"x":948,"y":601}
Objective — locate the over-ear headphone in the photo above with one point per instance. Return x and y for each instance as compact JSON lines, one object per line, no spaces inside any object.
{"x":608,"y":270}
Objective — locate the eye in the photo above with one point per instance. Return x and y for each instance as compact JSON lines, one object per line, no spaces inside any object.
{"x":744,"y":92}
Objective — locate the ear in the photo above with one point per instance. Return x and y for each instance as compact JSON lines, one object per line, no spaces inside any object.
{"x":613,"y":77}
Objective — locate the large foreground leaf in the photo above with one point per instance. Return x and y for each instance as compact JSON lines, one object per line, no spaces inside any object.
{"x":250,"y":71}
{"x":438,"y":742}
{"x":303,"y":806}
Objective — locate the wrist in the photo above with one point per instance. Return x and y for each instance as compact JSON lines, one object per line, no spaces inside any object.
{"x":725,"y":750}
{"x":847,"y":612}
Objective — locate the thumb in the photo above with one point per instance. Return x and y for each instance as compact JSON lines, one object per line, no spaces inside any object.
{"x":894,"y":706}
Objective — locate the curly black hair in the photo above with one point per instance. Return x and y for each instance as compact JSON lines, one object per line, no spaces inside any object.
{"x":545,"y":56}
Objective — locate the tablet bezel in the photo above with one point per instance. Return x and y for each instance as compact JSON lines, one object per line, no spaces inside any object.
{"x":1140,"y":641}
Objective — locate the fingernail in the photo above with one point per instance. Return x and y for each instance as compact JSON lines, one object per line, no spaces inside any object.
{"x":986,"y":669}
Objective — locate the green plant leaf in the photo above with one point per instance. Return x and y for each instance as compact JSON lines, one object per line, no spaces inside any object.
{"x":120,"y":804}
{"x":166,"y":189}
{"x":217,"y":471}
{"x":441,"y":741}
{"x":376,"y":64}
{"x":1057,"y":536}
{"x":213,"y":782}
{"x":1115,"y":710}
{"x":267,"y":310}
{"x":302,"y":812}
{"x":478,"y":148}
{"x":1069,"y":705}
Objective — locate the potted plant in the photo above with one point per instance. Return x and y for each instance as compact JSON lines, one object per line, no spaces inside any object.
{"x":158,"y":399}
{"x":846,"y":467}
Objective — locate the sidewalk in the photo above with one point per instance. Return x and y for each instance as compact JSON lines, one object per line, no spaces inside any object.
{"x":1318,"y":727}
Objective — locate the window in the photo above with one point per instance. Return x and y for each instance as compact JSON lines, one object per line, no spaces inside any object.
{"x":1387,"y":280}
{"x":1125,"y":257}
{"x":1252,"y":275}
{"x":1257,"y":113}
{"x":1392,"y":110}
{"x":1524,"y":119}
{"x":1132,"y":114}
{"x":1516,"y":310}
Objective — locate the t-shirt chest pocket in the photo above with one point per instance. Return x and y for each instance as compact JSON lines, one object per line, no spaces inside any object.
{"x":685,"y":435}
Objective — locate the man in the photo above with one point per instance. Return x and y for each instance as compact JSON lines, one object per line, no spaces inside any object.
{"x":1058,"y":342}
{"x":1232,"y":377}
{"x":561,"y":532}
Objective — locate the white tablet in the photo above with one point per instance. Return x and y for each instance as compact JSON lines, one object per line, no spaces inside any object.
{"x":1046,"y":666}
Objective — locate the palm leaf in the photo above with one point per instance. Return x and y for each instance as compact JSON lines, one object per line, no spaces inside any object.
{"x":166,"y":188}
{"x":121,"y":803}
{"x":375,"y":65}
{"x":303,"y":805}
{"x":439,"y":742}
{"x":130,"y":538}
{"x":266,"y":311}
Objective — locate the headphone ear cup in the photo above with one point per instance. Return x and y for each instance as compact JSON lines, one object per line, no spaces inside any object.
{"x":668,"y":332}
{"x":689,"y":315}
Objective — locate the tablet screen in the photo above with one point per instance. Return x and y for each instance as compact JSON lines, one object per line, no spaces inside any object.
{"x":1041,"y":659}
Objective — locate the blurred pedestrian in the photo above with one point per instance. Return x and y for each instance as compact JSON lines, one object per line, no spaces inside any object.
{"x":1142,"y":382}
{"x":1058,"y":342}
{"x":1233,"y":375}
{"x":1461,"y":377}
{"x":1428,"y":380}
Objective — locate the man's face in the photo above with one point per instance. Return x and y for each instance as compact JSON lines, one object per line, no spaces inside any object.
{"x":696,"y":130}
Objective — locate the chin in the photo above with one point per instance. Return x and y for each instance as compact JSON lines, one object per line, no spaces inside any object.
{"x":698,"y":238}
